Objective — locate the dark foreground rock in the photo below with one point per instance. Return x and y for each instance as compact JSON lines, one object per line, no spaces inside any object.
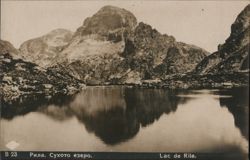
{"x":20,"y":79}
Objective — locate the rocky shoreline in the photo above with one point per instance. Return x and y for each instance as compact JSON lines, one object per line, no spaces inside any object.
{"x":13,"y":94}
{"x":219,"y":81}
{"x":189,"y":81}
{"x":21,"y":80}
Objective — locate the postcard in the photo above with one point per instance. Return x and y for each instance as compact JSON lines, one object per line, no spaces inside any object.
{"x":123,"y":80}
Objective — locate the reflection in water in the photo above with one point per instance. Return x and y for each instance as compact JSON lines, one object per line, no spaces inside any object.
{"x":122,"y":121}
{"x":125,"y":119}
{"x":238,"y":105}
{"x":116,"y":114}
{"x":32,"y":103}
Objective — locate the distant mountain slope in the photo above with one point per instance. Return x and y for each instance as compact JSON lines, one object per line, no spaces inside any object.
{"x":43,"y":49}
{"x":19,"y":79}
{"x":7,"y":47}
{"x":233,"y":55}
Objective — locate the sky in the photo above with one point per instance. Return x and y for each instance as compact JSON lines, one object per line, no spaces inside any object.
{"x":202,"y":23}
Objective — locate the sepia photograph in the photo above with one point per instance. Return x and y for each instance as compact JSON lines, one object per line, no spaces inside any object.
{"x":132,"y":79}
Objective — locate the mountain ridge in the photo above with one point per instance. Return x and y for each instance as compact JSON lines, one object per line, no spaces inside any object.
{"x":231,"y":55}
{"x":126,"y":52}
{"x":123,"y":51}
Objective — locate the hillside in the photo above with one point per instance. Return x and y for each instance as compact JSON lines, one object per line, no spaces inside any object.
{"x":20,"y":79}
{"x":43,"y":49}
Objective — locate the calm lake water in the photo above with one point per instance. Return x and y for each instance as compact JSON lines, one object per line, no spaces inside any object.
{"x":125,"y":119}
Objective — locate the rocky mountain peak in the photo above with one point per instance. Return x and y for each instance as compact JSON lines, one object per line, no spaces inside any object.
{"x":108,"y":19}
{"x":239,"y":32}
{"x":242,"y":22}
{"x":110,"y":47}
{"x":103,"y":33}
{"x":233,"y":55}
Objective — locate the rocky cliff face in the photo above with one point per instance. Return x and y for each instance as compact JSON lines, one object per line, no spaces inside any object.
{"x":101,"y":34}
{"x":19,"y":79}
{"x":108,"y":21}
{"x":233,"y":55}
{"x":43,"y":49}
{"x":142,"y":57}
{"x":111,"y":47}
{"x":159,"y":55}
